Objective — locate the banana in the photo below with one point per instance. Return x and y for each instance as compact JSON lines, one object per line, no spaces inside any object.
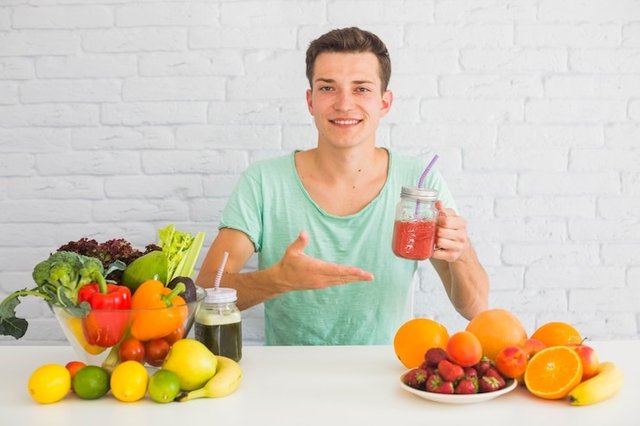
{"x":226,"y":380}
{"x":602,"y":386}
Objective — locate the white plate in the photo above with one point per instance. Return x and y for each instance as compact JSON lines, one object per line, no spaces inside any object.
{"x":460,"y":399}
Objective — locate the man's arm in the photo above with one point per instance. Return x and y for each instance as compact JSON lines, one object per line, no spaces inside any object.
{"x":455,"y":260}
{"x":295,"y":271}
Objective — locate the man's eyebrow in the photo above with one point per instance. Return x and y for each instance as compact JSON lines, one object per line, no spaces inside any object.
{"x":331,"y":80}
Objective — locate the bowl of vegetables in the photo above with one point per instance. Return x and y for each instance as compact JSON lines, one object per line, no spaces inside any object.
{"x":155,"y":317}
{"x":114,"y":302}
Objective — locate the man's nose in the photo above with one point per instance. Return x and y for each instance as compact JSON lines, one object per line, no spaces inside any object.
{"x":344,"y":101}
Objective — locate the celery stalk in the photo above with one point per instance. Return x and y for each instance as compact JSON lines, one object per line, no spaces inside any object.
{"x":188,"y":262}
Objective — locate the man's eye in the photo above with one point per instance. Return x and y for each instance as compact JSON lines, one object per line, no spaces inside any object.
{"x":325,"y":88}
{"x":363,"y":89}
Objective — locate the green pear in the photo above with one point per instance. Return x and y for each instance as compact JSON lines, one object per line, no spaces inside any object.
{"x":192,"y":362}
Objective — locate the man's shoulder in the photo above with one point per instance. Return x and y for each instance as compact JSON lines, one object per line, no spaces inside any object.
{"x":269,"y":165}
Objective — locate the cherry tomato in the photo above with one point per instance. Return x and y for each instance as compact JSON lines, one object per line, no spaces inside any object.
{"x":175,"y":335}
{"x":155,"y":351}
{"x":131,"y":350}
{"x":74,"y":366}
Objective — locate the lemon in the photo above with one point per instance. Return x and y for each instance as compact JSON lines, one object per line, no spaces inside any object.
{"x":49,"y":383}
{"x":129,"y":381}
{"x":91,"y":382}
{"x":164,"y":386}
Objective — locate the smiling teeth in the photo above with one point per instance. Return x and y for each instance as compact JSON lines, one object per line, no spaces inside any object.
{"x":346,"y":121}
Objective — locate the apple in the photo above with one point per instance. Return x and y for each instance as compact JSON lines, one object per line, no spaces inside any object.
{"x":589,"y":358}
{"x":511,"y":362}
{"x":532,"y":346}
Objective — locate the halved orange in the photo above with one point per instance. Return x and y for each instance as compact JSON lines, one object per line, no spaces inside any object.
{"x":557,"y":333}
{"x":553,"y":372}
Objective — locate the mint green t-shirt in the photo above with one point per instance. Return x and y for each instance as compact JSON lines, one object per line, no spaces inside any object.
{"x":271,"y":206}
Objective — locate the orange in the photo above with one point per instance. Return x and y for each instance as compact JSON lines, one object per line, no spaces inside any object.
{"x":496,"y":329}
{"x":557,"y":333}
{"x":415,"y":337}
{"x":553,"y":372}
{"x":464,"y":348}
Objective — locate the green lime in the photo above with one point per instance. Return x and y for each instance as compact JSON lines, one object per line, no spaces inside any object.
{"x":91,"y":382}
{"x":164,"y":386}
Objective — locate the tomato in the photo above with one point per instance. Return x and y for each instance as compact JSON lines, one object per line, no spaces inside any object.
{"x":131,"y":350}
{"x":74,"y":366}
{"x":155,"y":351}
{"x":175,"y":335}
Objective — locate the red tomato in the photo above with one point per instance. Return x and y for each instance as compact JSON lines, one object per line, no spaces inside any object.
{"x":175,"y":335}
{"x":131,"y":349}
{"x":155,"y":351}
{"x":74,"y":366}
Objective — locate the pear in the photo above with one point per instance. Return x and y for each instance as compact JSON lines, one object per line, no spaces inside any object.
{"x":192,"y":362}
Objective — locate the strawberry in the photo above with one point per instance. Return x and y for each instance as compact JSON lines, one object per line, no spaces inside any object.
{"x":416,"y":378}
{"x":489,"y":384}
{"x":433,"y":382}
{"x":484,"y":364}
{"x":467,"y":385}
{"x":434,"y":356}
{"x":470,"y":372}
{"x":445,"y":387}
{"x":449,"y":371}
{"x":493,"y":372}
{"x":430,"y":369}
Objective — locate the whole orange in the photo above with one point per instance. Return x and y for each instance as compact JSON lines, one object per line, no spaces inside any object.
{"x":415,"y":337}
{"x":557,"y":333}
{"x":464,"y":348}
{"x":496,"y":329}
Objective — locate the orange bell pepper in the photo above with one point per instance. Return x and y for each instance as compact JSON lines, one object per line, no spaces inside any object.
{"x":157,"y":310}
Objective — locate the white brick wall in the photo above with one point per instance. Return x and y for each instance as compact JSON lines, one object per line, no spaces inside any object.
{"x":119,"y":116}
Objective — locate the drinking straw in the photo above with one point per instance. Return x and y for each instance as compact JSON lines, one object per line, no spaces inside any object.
{"x":216,"y":284}
{"x":423,"y":177}
{"x":426,"y":170}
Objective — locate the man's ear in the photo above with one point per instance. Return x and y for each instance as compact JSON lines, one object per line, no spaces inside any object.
{"x":387,"y":100}
{"x":309,"y":104}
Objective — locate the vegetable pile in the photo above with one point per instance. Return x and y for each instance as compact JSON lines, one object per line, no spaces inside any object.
{"x":86,"y":279}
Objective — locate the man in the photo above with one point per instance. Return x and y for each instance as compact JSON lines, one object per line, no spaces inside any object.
{"x":310,"y":213}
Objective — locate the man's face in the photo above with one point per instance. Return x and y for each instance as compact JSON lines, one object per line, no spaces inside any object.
{"x":346,"y":98}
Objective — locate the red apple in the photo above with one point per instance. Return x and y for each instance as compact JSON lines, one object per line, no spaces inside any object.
{"x":589,"y":358}
{"x":532,"y":346}
{"x":512,"y":362}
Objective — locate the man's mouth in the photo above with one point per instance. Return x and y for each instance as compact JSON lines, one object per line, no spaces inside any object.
{"x":345,"y":122}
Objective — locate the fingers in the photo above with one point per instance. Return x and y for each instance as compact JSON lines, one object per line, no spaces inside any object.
{"x":297,"y":247}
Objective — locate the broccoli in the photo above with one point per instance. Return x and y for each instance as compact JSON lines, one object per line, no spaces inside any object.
{"x":58,"y":280}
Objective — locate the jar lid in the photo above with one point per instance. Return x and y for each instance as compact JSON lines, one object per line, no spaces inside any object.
{"x":422,"y":194}
{"x":220,"y":295}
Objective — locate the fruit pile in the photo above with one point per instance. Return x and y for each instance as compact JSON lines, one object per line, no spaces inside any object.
{"x":189,"y":371}
{"x":439,"y":374}
{"x":553,"y":363}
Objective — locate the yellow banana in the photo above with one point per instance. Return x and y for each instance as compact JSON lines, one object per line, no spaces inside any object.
{"x":602,"y":386}
{"x":226,"y":380}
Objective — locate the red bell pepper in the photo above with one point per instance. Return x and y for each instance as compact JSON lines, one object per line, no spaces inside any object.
{"x":108,"y":319}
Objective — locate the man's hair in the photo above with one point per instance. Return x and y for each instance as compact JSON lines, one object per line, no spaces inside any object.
{"x":350,"y":40}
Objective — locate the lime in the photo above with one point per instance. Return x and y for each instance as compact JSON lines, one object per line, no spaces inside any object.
{"x":49,"y":383}
{"x":164,"y":386}
{"x":91,"y":382}
{"x":129,"y":381}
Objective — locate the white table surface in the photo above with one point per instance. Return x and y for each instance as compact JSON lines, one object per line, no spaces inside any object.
{"x":351,"y":385}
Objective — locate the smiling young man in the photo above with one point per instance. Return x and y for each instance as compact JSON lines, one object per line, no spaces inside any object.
{"x":321,"y":220}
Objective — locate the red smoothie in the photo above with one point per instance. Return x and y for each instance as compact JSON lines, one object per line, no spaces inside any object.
{"x":414,"y":239}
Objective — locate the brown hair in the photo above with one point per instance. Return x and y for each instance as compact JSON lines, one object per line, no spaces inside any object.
{"x":351,"y":39}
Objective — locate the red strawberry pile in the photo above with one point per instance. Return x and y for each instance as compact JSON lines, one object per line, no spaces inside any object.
{"x":441,"y":375}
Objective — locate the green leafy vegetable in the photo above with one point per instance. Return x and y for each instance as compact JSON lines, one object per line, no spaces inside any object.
{"x":182,"y":250}
{"x":58,"y":280}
